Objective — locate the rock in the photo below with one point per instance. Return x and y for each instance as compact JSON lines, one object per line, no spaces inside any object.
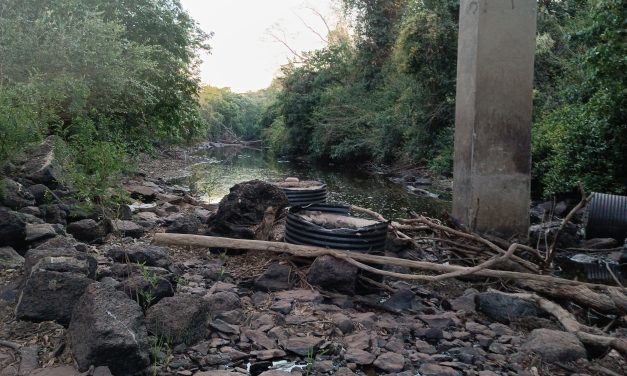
{"x":33,"y":256}
{"x":182,"y":318}
{"x":31,"y":210}
{"x":38,"y":232}
{"x":224,"y":327}
{"x":87,"y":230}
{"x":42,"y":194}
{"x":53,"y":213}
{"x":107,"y":329}
{"x":146,"y":254}
{"x":330,"y":273}
{"x":50,"y":295}
{"x":554,"y":346}
{"x":260,"y":339}
{"x":146,"y":290}
{"x":343,"y":323}
{"x":303,"y":345}
{"x":243,"y":209}
{"x":466,"y":302}
{"x":432,"y":369}
{"x":13,"y":195}
{"x":9,"y":259}
{"x":300,"y":295}
{"x":268,"y":354}
{"x":404,"y":299}
{"x":141,"y":192}
{"x":203,"y":215}
{"x":220,"y":302}
{"x":184,"y":225}
{"x":277,"y":277}
{"x":358,"y":356}
{"x":126,"y":228}
{"x":12,"y":229}
{"x":503,"y":308}
{"x":42,"y":166}
{"x":390,"y":362}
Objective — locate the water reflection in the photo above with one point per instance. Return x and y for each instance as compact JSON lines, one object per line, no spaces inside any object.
{"x":225,"y":167}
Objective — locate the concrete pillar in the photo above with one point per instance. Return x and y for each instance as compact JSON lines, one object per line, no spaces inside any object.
{"x":492,"y":161}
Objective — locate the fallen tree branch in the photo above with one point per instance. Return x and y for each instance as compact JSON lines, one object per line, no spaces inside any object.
{"x":585,"y":334}
{"x":584,"y":201}
{"x":312,"y":252}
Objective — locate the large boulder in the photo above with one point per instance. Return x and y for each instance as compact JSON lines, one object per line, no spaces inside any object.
{"x":277,"y":277}
{"x":554,"y":346}
{"x":9,"y":259}
{"x":33,"y":256}
{"x":330,"y":273}
{"x":242,"y":211}
{"x":87,"y":230}
{"x":180,"y":318}
{"x":504,"y":308}
{"x":146,"y":254}
{"x":42,"y":166}
{"x":12,"y":228}
{"x":52,"y":289}
{"x":146,"y":289}
{"x":187,"y":224}
{"x":108,"y":329}
{"x":39,"y":232}
{"x":54,"y":213}
{"x":14,"y":195}
{"x":43,"y":195}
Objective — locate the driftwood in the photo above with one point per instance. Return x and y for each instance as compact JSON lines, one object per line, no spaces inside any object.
{"x":586,"y":334}
{"x":358,"y":259}
{"x":607,"y":300}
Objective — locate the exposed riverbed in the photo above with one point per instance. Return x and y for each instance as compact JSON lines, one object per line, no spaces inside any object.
{"x":221,"y":168}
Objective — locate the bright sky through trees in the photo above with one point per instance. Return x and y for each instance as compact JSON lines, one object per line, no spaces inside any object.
{"x":245,"y":56}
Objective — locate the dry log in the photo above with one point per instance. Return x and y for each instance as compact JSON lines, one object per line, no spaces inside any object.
{"x":586,"y":334}
{"x":312,"y":252}
{"x":579,"y":294}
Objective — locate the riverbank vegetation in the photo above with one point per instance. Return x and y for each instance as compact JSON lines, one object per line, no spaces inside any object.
{"x":116,"y":77}
{"x":106,"y":77}
{"x":386,"y":92}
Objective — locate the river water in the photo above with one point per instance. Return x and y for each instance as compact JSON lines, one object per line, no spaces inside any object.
{"x":224,"y":167}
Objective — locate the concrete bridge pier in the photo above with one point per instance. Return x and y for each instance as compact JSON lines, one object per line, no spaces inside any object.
{"x":492,"y":161}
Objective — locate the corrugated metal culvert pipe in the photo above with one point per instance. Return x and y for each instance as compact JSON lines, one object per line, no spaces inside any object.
{"x":303,"y":192}
{"x":607,"y":217}
{"x":330,"y":226}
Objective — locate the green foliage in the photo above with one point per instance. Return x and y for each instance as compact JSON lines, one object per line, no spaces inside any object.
{"x":230,"y":116}
{"x":581,"y":135}
{"x":110,"y":77}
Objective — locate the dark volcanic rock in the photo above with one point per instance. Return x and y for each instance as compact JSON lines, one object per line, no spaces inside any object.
{"x":33,"y":256}
{"x":404,"y":299}
{"x":184,"y":225}
{"x":42,"y":194}
{"x":43,"y":231}
{"x":51,"y":295}
{"x":221,"y":302}
{"x":149,"y":255}
{"x":182,"y":318}
{"x":146,"y":292}
{"x":277,"y":277}
{"x":554,"y":345}
{"x":12,"y":228}
{"x":126,"y":228}
{"x":504,"y":308}
{"x":9,"y":259}
{"x":334,"y":274}
{"x":42,"y":166}
{"x":243,"y":209}
{"x":54,"y":213}
{"x":87,"y":230}
{"x":107,"y":329}
{"x":14,"y":195}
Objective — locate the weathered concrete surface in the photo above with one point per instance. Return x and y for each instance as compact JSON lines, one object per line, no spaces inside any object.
{"x":492,"y":161}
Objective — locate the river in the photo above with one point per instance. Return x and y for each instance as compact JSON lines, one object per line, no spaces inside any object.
{"x":222,"y":168}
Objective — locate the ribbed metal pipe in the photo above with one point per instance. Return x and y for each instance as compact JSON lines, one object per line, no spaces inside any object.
{"x":607,"y":217}
{"x":369,"y":239}
{"x":304,"y":196}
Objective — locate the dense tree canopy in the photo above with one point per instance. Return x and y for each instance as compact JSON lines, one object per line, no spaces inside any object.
{"x":387,"y":92}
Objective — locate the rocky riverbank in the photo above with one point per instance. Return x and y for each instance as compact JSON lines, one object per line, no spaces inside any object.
{"x":83,"y":291}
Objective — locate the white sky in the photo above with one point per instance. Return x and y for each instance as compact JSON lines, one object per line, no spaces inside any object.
{"x":244,"y":55}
